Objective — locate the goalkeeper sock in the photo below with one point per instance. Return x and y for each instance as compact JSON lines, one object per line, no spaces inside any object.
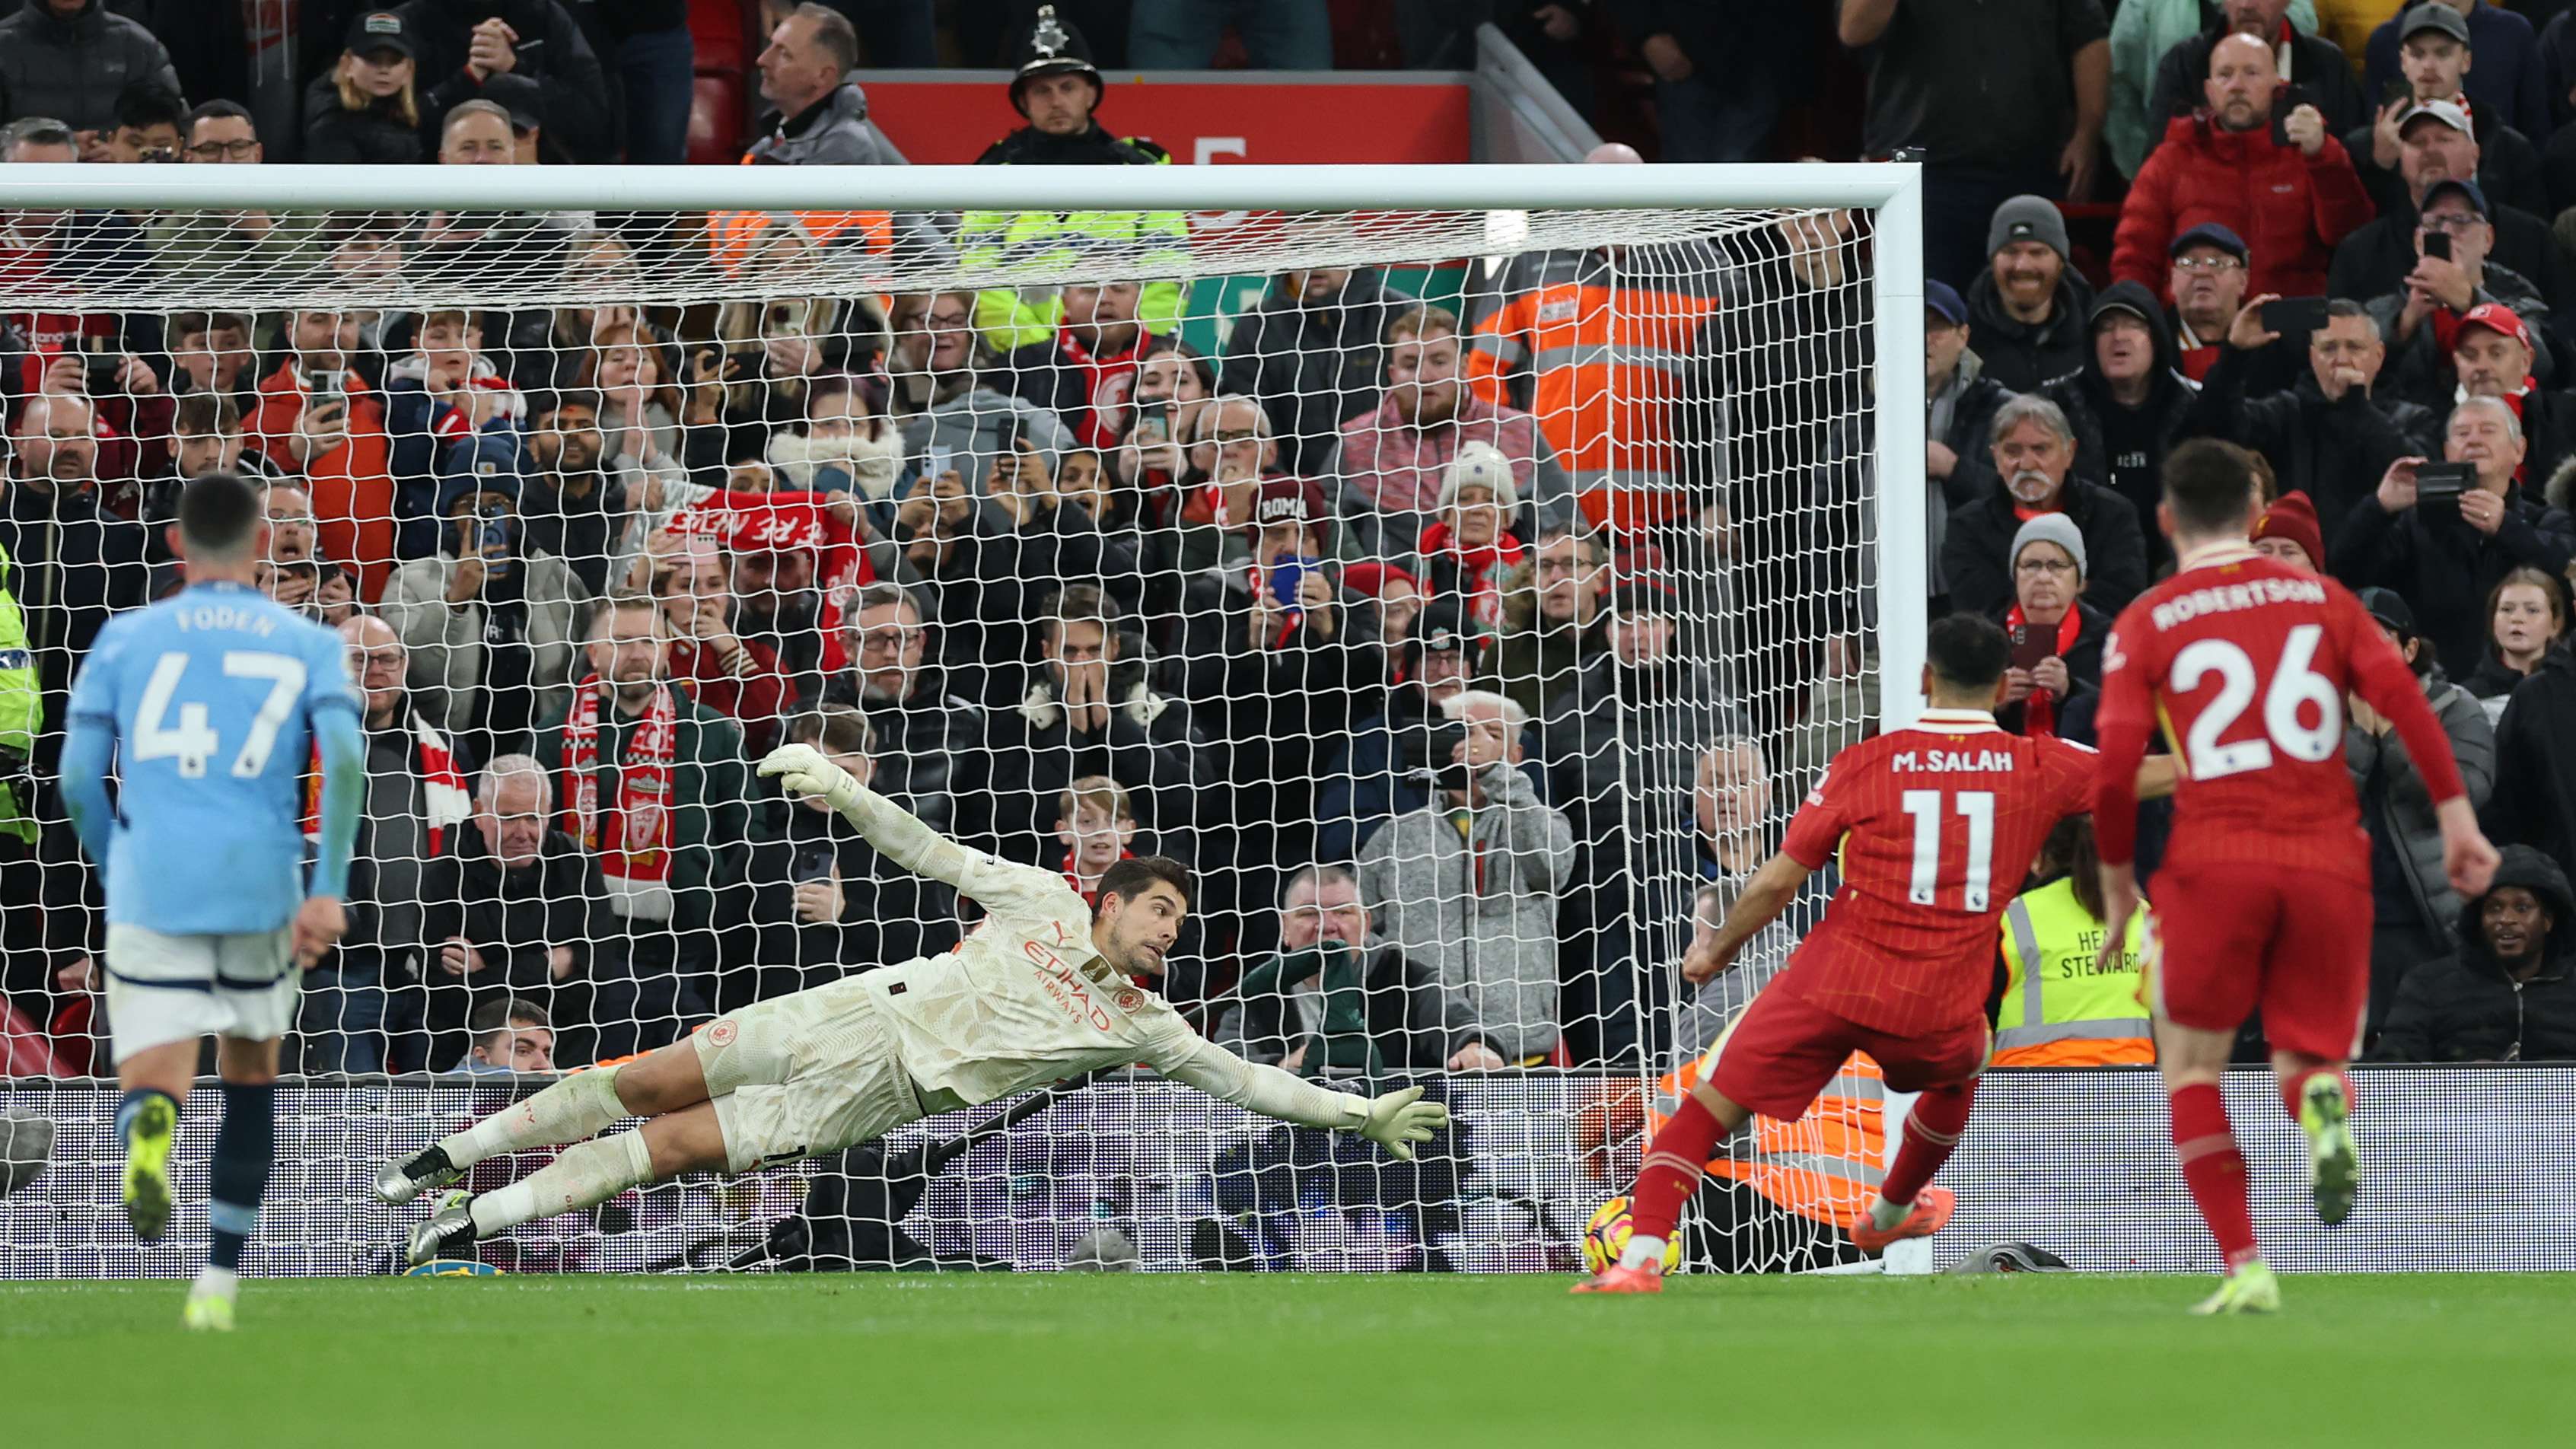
{"x":2214,"y":1169}
{"x":580,"y":1106}
{"x":1674,"y":1162}
{"x":2294,"y":1087}
{"x":245,"y":1145}
{"x":583,"y":1174}
{"x":1932,"y":1131}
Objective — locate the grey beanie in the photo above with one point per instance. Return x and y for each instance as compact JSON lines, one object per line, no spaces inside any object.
{"x":2027,"y":218}
{"x":2058,"y":529}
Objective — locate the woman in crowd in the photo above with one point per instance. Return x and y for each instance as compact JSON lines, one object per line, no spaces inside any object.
{"x":2056,"y":679}
{"x":2526,"y":613}
{"x":364,"y":110}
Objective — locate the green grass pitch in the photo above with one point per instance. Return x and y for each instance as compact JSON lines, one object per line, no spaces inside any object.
{"x":1320,"y":1362}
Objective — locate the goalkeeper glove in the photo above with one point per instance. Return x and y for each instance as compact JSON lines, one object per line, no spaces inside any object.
{"x":1398,"y":1120}
{"x":803,"y":770}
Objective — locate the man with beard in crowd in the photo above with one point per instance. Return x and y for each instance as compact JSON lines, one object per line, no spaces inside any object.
{"x":1086,"y":372}
{"x":74,"y":564}
{"x":1550,"y":619}
{"x":2035,"y":456}
{"x":571,"y":507}
{"x":928,"y":757}
{"x":2028,"y":307}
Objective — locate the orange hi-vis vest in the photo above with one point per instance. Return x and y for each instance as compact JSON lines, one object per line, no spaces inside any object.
{"x":1605,"y":359}
{"x":1825,"y":1166}
{"x":735,"y":237}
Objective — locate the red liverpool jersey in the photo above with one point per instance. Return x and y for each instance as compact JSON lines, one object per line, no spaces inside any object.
{"x":2245,"y":662}
{"x":1937,"y":825}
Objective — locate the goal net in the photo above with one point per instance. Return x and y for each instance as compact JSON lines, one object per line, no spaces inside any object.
{"x":1466,"y":593}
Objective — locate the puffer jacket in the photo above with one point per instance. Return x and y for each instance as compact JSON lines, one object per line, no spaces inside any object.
{"x":1480,"y":909}
{"x":836,"y":132}
{"x":2395,"y":803}
{"x":2536,"y":753}
{"x":73,"y":68}
{"x":2291,"y":208}
{"x":2468,"y":1008}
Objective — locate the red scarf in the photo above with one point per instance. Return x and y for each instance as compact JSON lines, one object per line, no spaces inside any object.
{"x":633,"y":842}
{"x":2039,"y":711}
{"x":442,"y":787}
{"x":1107,"y":380}
{"x":1479,"y":570}
{"x":790,"y":520}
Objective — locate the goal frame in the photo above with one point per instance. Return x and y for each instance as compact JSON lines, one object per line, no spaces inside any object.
{"x":1891,"y":192}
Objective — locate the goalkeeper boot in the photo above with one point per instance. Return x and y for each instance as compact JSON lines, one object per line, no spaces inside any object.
{"x":449,"y":1233}
{"x":400,"y":1182}
{"x":2250,"y":1289}
{"x":1614,"y":1279}
{"x":147,"y":1167}
{"x":1929,"y":1214}
{"x":2334,"y":1167}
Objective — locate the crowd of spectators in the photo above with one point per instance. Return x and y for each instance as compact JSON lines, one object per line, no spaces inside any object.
{"x":1470,"y":647}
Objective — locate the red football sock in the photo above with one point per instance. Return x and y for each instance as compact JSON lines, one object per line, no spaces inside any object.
{"x":2214,"y":1170}
{"x":1674,"y":1162}
{"x":2295,"y":1086}
{"x":1932,"y":1131}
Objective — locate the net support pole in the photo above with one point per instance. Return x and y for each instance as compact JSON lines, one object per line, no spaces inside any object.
{"x":1904,"y":572}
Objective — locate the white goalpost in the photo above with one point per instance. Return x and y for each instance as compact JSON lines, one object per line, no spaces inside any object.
{"x":1463,"y":569}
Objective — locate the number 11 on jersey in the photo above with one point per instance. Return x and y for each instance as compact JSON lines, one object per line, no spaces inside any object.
{"x":1977,"y":808}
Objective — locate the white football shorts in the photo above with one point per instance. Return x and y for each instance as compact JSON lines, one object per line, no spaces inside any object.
{"x":803,"y":1075}
{"x":163,"y":988}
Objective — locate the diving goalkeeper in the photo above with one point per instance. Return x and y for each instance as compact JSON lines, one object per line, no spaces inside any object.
{"x":1039,"y":992}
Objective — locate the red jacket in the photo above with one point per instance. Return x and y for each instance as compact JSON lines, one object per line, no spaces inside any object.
{"x":2290,"y":209}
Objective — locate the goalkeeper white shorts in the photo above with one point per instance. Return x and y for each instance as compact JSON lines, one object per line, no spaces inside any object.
{"x":163,"y":988}
{"x":802,"y":1075}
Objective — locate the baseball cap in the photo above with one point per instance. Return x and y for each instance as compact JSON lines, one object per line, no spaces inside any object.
{"x":2449,"y":113}
{"x":2498,"y":318}
{"x":2469,"y":191}
{"x":2211,"y":234}
{"x":1939,"y":296}
{"x":380,"y":30}
{"x":521,"y":96}
{"x":2390,"y":608}
{"x":2433,"y":15}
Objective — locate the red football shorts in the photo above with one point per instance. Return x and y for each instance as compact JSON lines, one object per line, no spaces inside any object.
{"x":2294,"y":943}
{"x":1785,"y":1048}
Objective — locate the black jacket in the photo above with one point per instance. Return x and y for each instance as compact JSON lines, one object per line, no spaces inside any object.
{"x":371,"y":137}
{"x":1147,"y":747}
{"x":1029,"y":146}
{"x":1313,"y":368}
{"x":513,"y":917}
{"x":2443,"y":567}
{"x":2534,"y":802}
{"x":71,"y":567}
{"x":2467,"y":1007}
{"x":2085,"y":397}
{"x":2319,"y":75}
{"x":74,"y":68}
{"x":580,"y":121}
{"x":2019,"y":356}
{"x":1976,"y":552}
{"x":2374,"y":261}
{"x":888,"y":914}
{"x":930,"y":757}
{"x":995,"y":582}
{"x":2334,"y":452}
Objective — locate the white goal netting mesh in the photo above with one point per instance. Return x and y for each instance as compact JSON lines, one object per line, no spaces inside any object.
{"x":1466,"y":597}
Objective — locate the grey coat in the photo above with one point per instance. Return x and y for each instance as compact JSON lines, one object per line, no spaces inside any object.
{"x":446,"y":640}
{"x":1494,"y":948}
{"x":2393,"y":794}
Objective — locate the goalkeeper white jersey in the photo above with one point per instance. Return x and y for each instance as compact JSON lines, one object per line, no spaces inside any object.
{"x":1024,"y":1000}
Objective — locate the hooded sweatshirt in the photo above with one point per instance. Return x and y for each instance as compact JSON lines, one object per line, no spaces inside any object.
{"x":2469,"y":1007}
{"x":2116,"y":445}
